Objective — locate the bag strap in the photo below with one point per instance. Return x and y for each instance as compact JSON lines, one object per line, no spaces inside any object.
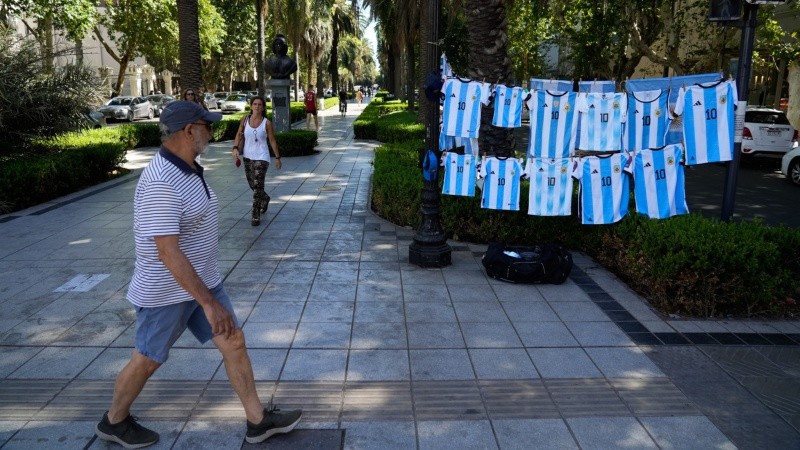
{"x":240,"y":132}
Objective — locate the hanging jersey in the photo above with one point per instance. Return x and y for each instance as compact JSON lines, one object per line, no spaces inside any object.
{"x":539,"y":84}
{"x":551,"y":186}
{"x":448,"y":143}
{"x":444,"y":66}
{"x":605,"y":86}
{"x":605,"y":189}
{"x":553,"y":124}
{"x":501,"y":183}
{"x":648,"y":120}
{"x":602,"y":116}
{"x":708,"y":121}
{"x":462,"y":107}
{"x":460,"y":173}
{"x":658,"y":182}
{"x":507,"y":106}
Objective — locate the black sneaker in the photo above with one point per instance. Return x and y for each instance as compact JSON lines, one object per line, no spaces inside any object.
{"x":127,"y":433}
{"x":265,"y":204}
{"x":274,"y":422}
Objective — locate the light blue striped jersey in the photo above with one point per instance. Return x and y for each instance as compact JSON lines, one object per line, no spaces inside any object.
{"x":541,"y":84}
{"x":554,"y":123}
{"x":551,"y":186}
{"x":605,"y":189}
{"x":448,"y":143}
{"x":462,"y":107}
{"x":708,"y":121}
{"x":460,"y":173}
{"x":602,"y":115}
{"x":658,"y":182}
{"x":648,"y":120}
{"x":507,"y":106}
{"x":501,"y":183}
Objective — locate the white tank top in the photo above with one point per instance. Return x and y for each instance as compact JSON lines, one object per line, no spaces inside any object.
{"x":256,"y":145}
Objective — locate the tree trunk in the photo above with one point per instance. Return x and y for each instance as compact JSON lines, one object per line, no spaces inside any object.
{"x":425,"y":49}
{"x":793,"y":113}
{"x":47,"y":42}
{"x":390,"y":72}
{"x":261,"y":81}
{"x":189,"y":40}
{"x":410,"y":79}
{"x":333,"y":65}
{"x":488,"y":61}
{"x":123,"y":67}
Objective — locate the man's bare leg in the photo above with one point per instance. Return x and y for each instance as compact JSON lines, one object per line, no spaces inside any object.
{"x":240,"y":373}
{"x":129,"y":385}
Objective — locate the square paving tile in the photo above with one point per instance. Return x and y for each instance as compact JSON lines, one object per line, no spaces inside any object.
{"x":480,"y":312}
{"x":419,"y":312}
{"x":471,"y":293}
{"x":332,"y":292}
{"x":322,"y":335}
{"x":579,"y":312}
{"x":51,"y":435}
{"x":545,"y":334}
{"x":563,"y":363}
{"x":533,"y":434}
{"x":687,"y":433}
{"x":14,"y":357}
{"x":425,"y":293}
{"x":317,"y":365}
{"x":598,"y":334}
{"x":435,"y":335}
{"x":378,"y":365}
{"x":515,"y":292}
{"x":610,"y":432}
{"x":490,"y":335}
{"x":623,"y":362}
{"x":57,"y":363}
{"x":525,"y":311}
{"x":269,"y":335}
{"x":463,"y":435}
{"x":267,"y":364}
{"x":208,"y":435}
{"x":378,"y":293}
{"x":379,"y":435}
{"x":441,"y":365}
{"x":388,"y":335}
{"x":379,"y":312}
{"x":328,"y":312}
{"x":501,"y":363}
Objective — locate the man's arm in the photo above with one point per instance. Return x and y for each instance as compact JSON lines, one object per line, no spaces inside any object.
{"x":170,"y":253}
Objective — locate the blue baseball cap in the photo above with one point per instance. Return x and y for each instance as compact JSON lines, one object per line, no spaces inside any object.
{"x":180,"y":113}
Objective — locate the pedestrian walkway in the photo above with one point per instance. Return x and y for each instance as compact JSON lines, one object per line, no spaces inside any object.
{"x":379,"y":353}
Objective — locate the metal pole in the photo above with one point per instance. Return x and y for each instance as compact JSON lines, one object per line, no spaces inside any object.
{"x":743,"y":90}
{"x":429,"y":247}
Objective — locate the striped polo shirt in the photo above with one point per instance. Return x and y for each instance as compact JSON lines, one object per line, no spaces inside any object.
{"x":172,"y":198}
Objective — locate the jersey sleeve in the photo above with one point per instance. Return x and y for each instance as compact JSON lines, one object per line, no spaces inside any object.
{"x":582,"y":103}
{"x":486,"y":93}
{"x":577,"y":168}
{"x":530,"y":100}
{"x":679,"y":103}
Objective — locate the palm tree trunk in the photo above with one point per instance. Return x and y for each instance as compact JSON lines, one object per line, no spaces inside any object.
{"x":488,"y":61}
{"x":260,"y":70}
{"x":410,"y":72}
{"x":189,"y":40}
{"x":333,"y":65}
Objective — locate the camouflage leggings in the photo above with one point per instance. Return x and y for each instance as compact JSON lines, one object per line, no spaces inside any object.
{"x":256,"y":170}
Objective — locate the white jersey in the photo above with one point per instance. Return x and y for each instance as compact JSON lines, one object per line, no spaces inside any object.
{"x":708,"y":121}
{"x":554,"y":124}
{"x":462,"y":107}
{"x":605,"y":189}
{"x":448,"y":143}
{"x":444,"y":66}
{"x":540,"y":84}
{"x":507,"y":106}
{"x":648,"y":120}
{"x":602,"y":116}
{"x":460,"y":173}
{"x":501,"y":183}
{"x":658,"y":182}
{"x":551,"y":186}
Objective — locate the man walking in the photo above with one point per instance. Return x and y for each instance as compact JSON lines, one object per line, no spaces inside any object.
{"x":177,"y":284}
{"x":310,"y":99}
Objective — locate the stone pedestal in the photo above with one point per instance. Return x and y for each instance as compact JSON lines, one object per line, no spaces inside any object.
{"x":134,"y":81}
{"x":166,"y":75}
{"x":281,"y":114}
{"x":148,"y":79}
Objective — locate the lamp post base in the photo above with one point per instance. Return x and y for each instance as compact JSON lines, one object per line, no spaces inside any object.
{"x":430,"y":248}
{"x":429,"y":256}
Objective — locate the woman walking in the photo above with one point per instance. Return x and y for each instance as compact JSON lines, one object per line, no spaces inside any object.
{"x":254,"y":140}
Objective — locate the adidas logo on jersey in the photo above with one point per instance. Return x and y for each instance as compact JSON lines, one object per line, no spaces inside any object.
{"x":594,"y":171}
{"x":452,"y":95}
{"x":698,"y":103}
{"x":648,"y":165}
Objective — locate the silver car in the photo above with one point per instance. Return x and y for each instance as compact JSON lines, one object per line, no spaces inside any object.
{"x":160,"y":101}
{"x":128,"y":108}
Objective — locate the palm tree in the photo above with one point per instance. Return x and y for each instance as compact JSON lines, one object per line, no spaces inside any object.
{"x":189,"y":39}
{"x":296,"y":22}
{"x":315,"y":43}
{"x":344,"y":20}
{"x":488,"y":60}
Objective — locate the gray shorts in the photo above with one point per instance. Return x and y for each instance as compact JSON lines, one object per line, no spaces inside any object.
{"x":158,"y":328}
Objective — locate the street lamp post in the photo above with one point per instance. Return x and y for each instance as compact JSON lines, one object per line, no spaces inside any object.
{"x":429,"y":248}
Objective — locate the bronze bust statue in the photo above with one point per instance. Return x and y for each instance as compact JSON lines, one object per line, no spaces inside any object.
{"x":280,"y":66}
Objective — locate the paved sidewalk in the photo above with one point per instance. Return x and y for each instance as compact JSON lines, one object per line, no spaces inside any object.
{"x":379,"y":353}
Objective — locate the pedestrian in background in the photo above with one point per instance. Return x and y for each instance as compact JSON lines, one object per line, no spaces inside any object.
{"x":177,"y":283}
{"x":191,"y":96}
{"x":359,"y":96}
{"x":310,"y":99}
{"x":253,"y":142}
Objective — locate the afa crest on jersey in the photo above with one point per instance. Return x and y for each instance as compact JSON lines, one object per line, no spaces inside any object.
{"x":670,"y":161}
{"x":566,"y":108}
{"x":615,"y":105}
{"x":617,"y":169}
{"x":722,"y":100}
{"x":658,"y":112}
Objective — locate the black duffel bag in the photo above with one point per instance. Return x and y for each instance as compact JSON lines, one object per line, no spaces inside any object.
{"x":546,"y":263}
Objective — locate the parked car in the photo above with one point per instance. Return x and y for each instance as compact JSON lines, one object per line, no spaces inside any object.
{"x":210,"y":101}
{"x":93,"y":119}
{"x":766,"y":132}
{"x":234,"y":103}
{"x":128,"y":108}
{"x":160,"y":101}
{"x":790,"y":165}
{"x":220,"y":97}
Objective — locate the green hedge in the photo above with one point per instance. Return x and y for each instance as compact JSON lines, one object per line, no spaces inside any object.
{"x":687,"y":265}
{"x":388,"y":122}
